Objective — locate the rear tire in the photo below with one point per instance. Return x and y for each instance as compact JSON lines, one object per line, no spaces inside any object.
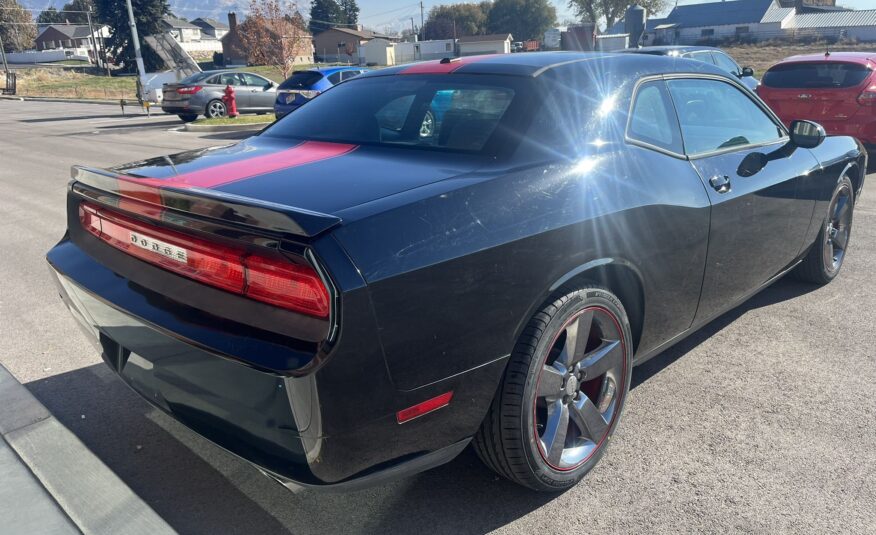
{"x":188,"y":117}
{"x":825,"y":258}
{"x":557,"y":369}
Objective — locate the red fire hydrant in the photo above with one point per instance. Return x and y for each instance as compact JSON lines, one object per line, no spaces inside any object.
{"x":230,"y":102}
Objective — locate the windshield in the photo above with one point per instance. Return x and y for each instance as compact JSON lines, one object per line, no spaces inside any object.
{"x":443,"y":112}
{"x":815,"y":75}
{"x":197,"y":77}
{"x":301,"y":80}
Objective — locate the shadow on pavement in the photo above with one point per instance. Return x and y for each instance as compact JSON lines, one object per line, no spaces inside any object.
{"x":198,"y":488}
{"x":782,"y":290}
{"x":117,"y":115}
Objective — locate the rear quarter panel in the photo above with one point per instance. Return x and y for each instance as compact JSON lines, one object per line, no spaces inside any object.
{"x":454,"y":277}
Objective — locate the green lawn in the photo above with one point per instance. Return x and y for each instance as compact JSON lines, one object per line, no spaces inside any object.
{"x":242,"y":119}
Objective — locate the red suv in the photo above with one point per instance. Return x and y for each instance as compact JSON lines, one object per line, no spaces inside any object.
{"x":836,"y":90}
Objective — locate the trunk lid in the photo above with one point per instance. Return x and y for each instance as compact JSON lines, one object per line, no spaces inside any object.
{"x":303,"y":176}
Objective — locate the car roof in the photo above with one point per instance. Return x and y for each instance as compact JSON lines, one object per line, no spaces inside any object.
{"x":863,"y":58}
{"x":330,"y":70}
{"x":667,"y":49}
{"x":533,"y":64}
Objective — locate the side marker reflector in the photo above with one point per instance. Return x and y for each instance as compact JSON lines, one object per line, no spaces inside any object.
{"x":406,"y":415}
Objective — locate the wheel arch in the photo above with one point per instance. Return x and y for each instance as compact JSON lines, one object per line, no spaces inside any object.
{"x":620,"y":277}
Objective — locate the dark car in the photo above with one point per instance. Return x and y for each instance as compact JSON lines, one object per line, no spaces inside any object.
{"x":342,"y":299}
{"x":201,"y":94}
{"x":303,"y":86}
{"x":837,"y":89}
{"x":707,"y":54}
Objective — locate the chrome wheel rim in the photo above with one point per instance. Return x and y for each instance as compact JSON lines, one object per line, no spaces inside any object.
{"x":216,"y":109}
{"x":427,"y":127}
{"x":838,"y":228}
{"x":579,"y":388}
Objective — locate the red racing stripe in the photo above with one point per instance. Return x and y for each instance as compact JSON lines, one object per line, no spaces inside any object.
{"x":436,"y":67}
{"x":148,"y":189}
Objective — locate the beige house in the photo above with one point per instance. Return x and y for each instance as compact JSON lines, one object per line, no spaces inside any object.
{"x":342,"y":44}
{"x":472,"y":45}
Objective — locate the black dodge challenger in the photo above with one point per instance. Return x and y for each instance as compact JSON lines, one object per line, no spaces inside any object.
{"x":474,"y":250}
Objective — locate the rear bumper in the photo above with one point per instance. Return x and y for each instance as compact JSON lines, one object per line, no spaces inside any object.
{"x":281,"y":110}
{"x":333,"y":428}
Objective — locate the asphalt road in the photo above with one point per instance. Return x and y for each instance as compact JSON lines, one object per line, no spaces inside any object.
{"x":765,"y":421}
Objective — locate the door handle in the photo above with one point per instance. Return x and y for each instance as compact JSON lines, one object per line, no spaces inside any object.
{"x":721,"y":183}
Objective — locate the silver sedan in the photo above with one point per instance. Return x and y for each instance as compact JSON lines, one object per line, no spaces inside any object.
{"x":201,"y":94}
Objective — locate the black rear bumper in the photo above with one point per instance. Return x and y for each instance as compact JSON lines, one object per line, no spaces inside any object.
{"x":332,"y":428}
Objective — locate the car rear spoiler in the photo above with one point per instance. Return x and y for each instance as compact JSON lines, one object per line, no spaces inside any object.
{"x":201,"y":202}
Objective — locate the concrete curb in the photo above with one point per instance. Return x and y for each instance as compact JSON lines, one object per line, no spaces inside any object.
{"x":131,"y":102}
{"x":88,"y":492}
{"x":191,"y":127}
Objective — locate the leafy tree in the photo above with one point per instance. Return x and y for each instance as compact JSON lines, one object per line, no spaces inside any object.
{"x":457,"y":20}
{"x":610,"y":10}
{"x":274,"y":34}
{"x":524,"y":19}
{"x":75,"y":11}
{"x":349,"y":12}
{"x":50,"y":16}
{"x":324,"y":14}
{"x":147,"y":15}
{"x":17,"y":28}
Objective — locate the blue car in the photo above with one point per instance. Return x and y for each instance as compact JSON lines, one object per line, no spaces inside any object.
{"x":302,"y":86}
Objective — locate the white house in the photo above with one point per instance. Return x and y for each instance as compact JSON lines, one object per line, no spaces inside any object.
{"x":189,"y":36}
{"x":472,"y":45}
{"x":408,"y":52}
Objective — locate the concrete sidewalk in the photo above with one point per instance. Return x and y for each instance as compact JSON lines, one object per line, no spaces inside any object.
{"x":52,"y":483}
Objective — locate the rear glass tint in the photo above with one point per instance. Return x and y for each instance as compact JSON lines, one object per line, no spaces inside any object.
{"x":816,"y":75}
{"x":455,"y":113}
{"x":301,"y":80}
{"x":197,"y":77}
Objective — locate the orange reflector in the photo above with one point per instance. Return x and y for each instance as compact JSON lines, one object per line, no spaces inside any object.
{"x":425,"y":407}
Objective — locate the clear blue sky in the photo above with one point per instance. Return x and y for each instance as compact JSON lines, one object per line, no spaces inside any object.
{"x":396,"y":14}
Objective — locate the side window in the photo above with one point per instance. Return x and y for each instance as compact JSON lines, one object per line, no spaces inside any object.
{"x":652,"y":119}
{"x":215,"y":80}
{"x":716,"y":115}
{"x":335,"y":77}
{"x":392,"y":116}
{"x":346,"y":75}
{"x":703,"y":56}
{"x":253,"y":80}
{"x":229,"y":78}
{"x":724,"y":62}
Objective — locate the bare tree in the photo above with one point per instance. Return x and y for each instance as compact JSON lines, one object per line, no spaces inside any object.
{"x":611,"y":10}
{"x":17,"y":28}
{"x":274,"y":34}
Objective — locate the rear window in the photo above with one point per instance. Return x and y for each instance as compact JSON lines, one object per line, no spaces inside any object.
{"x":453,"y":113}
{"x":816,"y":75}
{"x":197,"y":77}
{"x":301,"y":80}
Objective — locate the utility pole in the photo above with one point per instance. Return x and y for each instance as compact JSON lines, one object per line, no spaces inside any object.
{"x":91,"y":39}
{"x":141,"y":69}
{"x":3,"y":53}
{"x":422,"y":20}
{"x":413,"y":30}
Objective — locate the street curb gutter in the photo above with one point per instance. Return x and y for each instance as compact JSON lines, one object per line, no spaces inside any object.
{"x":91,"y":495}
{"x":131,"y":102}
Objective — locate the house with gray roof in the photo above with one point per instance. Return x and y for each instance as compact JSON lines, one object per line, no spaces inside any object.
{"x":756,"y":20}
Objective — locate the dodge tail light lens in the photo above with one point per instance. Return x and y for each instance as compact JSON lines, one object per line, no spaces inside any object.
{"x":868,"y":96}
{"x":189,"y":90}
{"x":287,"y":285}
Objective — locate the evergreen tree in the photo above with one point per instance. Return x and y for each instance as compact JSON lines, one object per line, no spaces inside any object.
{"x":323,"y":15}
{"x":349,"y":12}
{"x":523,"y":19}
{"x":76,"y":11}
{"x":147,"y":14}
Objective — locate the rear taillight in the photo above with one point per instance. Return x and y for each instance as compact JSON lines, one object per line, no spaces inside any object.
{"x":284,"y":284}
{"x":868,"y":96}
{"x":189,"y":90}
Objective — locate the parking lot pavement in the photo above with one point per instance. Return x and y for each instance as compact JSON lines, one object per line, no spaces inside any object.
{"x":765,"y":421}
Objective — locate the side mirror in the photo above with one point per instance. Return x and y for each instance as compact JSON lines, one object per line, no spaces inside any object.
{"x":806,"y":134}
{"x":747,"y":71}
